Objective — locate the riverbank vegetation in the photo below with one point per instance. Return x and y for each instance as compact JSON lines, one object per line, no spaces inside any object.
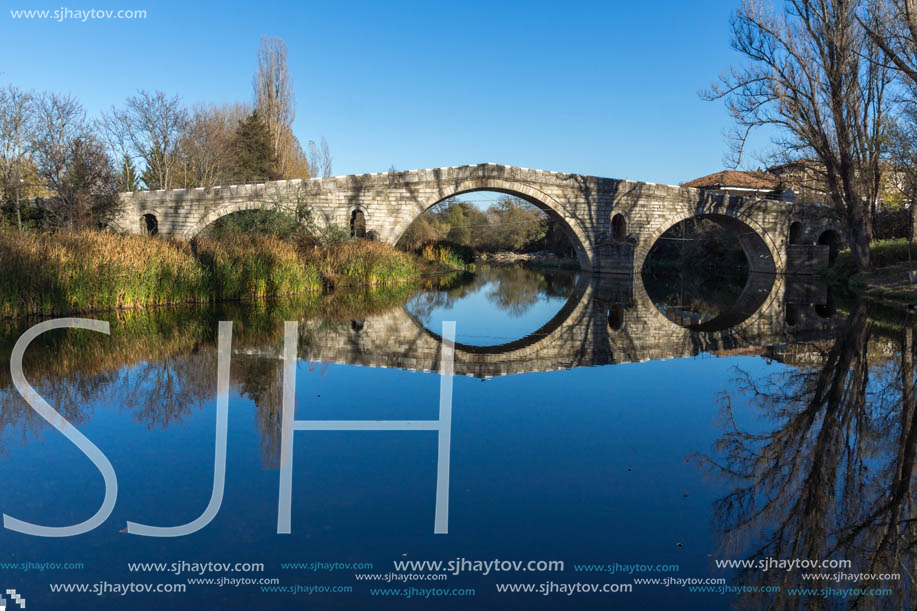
{"x":71,"y":272}
{"x":889,"y":279}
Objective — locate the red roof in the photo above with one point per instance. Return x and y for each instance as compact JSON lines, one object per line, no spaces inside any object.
{"x":735,"y":178}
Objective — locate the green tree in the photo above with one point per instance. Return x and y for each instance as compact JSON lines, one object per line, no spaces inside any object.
{"x":150,"y":177}
{"x":465,"y":222}
{"x":255,"y":158}
{"x":128,"y":180}
{"x":514,"y":225}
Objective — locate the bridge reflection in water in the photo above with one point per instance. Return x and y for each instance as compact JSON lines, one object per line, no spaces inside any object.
{"x":161,"y":362}
{"x":607,"y":319}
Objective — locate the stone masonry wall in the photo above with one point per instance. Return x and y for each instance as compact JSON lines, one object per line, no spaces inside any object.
{"x":584,"y":205}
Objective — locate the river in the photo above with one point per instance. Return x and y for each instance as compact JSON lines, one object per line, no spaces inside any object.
{"x":630,"y":430}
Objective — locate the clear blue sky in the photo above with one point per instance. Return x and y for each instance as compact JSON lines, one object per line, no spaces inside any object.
{"x":606,"y":88}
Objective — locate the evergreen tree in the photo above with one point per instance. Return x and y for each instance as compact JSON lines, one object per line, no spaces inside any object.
{"x":129,"y":180}
{"x":255,"y":158}
{"x":151,"y":174}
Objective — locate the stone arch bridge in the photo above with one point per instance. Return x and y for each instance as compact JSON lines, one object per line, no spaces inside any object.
{"x":612,"y":224}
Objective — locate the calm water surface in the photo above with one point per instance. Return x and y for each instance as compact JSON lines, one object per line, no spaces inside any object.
{"x":590,"y":425}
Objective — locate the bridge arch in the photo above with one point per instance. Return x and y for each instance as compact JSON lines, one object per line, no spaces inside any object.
{"x":582,"y":246}
{"x":225,"y":210}
{"x":761,"y":251}
{"x":357,"y":222}
{"x":761,"y":288}
{"x":149,"y":223}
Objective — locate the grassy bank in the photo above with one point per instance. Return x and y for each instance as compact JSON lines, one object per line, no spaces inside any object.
{"x":888,"y":281}
{"x":64,"y":273}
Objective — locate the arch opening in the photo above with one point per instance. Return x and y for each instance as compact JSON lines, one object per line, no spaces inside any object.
{"x":791,"y":314}
{"x":616,"y":317}
{"x":826,"y":309}
{"x":831,"y":239}
{"x":796,"y":232}
{"x":618,"y":228}
{"x":708,"y":272}
{"x":492,"y":220}
{"x":357,"y":224}
{"x":507,"y":206}
{"x":149,"y":224}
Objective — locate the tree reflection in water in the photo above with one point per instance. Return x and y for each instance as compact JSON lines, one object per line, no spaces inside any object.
{"x":833,"y":477}
{"x":513,"y":289}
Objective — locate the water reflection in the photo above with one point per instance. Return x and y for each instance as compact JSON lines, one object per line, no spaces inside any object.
{"x":495,"y":305}
{"x":813,"y":451}
{"x":704,"y":302}
{"x":830,"y":475}
{"x":689,"y":300}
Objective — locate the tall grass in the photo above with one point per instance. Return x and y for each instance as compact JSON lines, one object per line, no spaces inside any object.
{"x":254,"y":267}
{"x":449,"y":254}
{"x":361,"y":262}
{"x":63,"y":273}
{"x":81,"y":272}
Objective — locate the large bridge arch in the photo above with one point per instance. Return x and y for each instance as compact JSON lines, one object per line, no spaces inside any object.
{"x":760,"y":246}
{"x":582,"y":246}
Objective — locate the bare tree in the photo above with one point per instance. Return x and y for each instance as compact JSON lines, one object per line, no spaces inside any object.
{"x":315,"y":159}
{"x":207,"y":144}
{"x":16,"y":126}
{"x":815,"y":76}
{"x":892,"y":25}
{"x":274,"y":96}
{"x":149,"y":127}
{"x":326,"y":159}
{"x":72,"y":163}
{"x":59,"y":120}
{"x":902,"y":157}
{"x":320,"y":161}
{"x":296,"y":164}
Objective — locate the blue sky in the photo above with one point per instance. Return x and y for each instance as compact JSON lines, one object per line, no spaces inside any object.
{"x":604,"y":88}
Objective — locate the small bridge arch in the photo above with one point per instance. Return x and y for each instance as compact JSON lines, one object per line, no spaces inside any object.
{"x":231,"y":207}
